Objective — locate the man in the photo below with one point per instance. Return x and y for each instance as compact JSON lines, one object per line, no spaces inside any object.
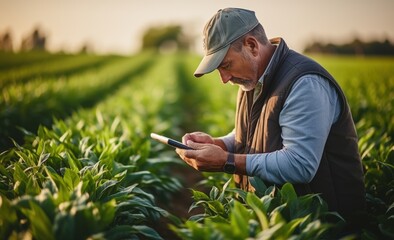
{"x":293,"y":123}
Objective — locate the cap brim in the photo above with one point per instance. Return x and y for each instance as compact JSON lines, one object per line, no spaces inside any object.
{"x":211,"y":62}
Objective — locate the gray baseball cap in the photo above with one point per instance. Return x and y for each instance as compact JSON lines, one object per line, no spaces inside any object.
{"x":226,"y":26}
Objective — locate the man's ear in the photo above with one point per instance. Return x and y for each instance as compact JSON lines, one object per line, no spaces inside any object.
{"x":251,"y":44}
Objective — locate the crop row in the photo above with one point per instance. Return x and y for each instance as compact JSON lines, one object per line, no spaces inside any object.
{"x":56,"y":68}
{"x":36,"y":102}
{"x":9,"y":60}
{"x":92,"y":175}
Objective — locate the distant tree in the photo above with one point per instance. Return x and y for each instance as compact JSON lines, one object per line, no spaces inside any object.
{"x":87,"y":47}
{"x":355,"y":47}
{"x":6,"y":42}
{"x":35,"y":41}
{"x":165,"y":38}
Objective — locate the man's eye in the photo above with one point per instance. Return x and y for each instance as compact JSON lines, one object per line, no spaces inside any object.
{"x":226,"y":67}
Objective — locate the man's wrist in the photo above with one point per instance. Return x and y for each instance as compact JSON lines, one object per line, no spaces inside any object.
{"x":219,"y":142}
{"x":229,"y":166}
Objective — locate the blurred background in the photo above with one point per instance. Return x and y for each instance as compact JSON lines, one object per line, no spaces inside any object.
{"x":119,"y":26}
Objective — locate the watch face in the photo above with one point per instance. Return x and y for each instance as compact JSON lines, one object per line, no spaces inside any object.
{"x":229,"y":168}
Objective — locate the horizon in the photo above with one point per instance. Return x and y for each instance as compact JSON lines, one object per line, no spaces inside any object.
{"x":117,"y":26}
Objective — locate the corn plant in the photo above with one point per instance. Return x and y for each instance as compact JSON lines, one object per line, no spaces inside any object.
{"x":278,"y":214}
{"x":78,"y":190}
{"x":88,"y":176}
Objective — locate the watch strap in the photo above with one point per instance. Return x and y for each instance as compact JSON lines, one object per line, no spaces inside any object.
{"x":229,"y":166}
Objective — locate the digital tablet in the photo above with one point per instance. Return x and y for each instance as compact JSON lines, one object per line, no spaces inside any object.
{"x":169,"y":141}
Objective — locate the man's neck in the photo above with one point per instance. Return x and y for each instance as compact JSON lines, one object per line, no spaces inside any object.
{"x":266,"y":54}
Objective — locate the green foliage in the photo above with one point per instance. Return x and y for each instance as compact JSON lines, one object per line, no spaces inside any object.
{"x":86,"y":168}
{"x":89,"y":175}
{"x":77,"y":191}
{"x":161,"y":37}
{"x":235,"y":214}
{"x":55,"y":67}
{"x":10,"y":60}
{"x":35,"y":103}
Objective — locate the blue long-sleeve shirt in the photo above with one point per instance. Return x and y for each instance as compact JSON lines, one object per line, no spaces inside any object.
{"x":310,"y":109}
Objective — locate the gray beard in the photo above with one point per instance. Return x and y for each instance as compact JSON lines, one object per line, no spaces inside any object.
{"x":245,"y":85}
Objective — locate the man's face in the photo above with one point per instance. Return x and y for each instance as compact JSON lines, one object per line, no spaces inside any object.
{"x":239,"y":67}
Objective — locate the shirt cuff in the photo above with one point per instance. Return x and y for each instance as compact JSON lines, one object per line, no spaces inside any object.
{"x":229,"y":141}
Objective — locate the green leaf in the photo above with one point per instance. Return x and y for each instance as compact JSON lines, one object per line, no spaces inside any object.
{"x":40,"y":225}
{"x":198,"y":217}
{"x":120,"y":194}
{"x":19,"y":174}
{"x":269,"y":233}
{"x":8,"y":216}
{"x":198,"y":195}
{"x":225,"y":186}
{"x":32,"y":187}
{"x":288,"y":192}
{"x":258,"y":185}
{"x":71,"y":178}
{"x":213,"y":194}
{"x":118,"y":232}
{"x":62,"y":190}
{"x":276,"y":217}
{"x":239,"y":220}
{"x":43,"y":158}
{"x":287,"y":229}
{"x":239,"y":193}
{"x":198,"y":230}
{"x":255,"y":203}
{"x":106,"y":189}
{"x":64,"y":226}
{"x":317,"y":230}
{"x":74,"y":163}
{"x":148,"y":232}
{"x":266,"y":202}
{"x":107,"y":213}
{"x":217,"y":207}
{"x":195,"y":205}
{"x":141,"y":204}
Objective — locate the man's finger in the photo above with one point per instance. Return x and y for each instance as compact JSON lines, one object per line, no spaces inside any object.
{"x":195,"y":145}
{"x":186,"y":138}
{"x":183,"y":153}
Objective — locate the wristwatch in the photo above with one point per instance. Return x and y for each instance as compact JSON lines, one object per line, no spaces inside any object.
{"x":229,"y":166}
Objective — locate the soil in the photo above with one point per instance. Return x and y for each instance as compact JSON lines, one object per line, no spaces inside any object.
{"x":179,"y":205}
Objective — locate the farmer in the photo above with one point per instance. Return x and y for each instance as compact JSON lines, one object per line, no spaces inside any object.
{"x":292,"y":124}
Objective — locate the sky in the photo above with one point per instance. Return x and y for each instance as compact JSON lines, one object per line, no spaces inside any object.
{"x":116,"y":26}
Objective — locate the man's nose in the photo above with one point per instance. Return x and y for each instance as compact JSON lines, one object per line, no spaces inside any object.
{"x":224,"y":75}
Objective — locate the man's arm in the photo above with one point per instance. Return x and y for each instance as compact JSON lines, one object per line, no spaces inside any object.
{"x":306,"y":118}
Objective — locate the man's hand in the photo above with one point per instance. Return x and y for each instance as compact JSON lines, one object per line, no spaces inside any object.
{"x":206,"y":156}
{"x":198,"y":137}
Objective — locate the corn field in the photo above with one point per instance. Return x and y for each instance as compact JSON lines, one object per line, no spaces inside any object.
{"x":77,"y":162}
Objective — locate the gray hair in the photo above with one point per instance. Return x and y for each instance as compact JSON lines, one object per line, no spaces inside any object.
{"x":257,"y":32}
